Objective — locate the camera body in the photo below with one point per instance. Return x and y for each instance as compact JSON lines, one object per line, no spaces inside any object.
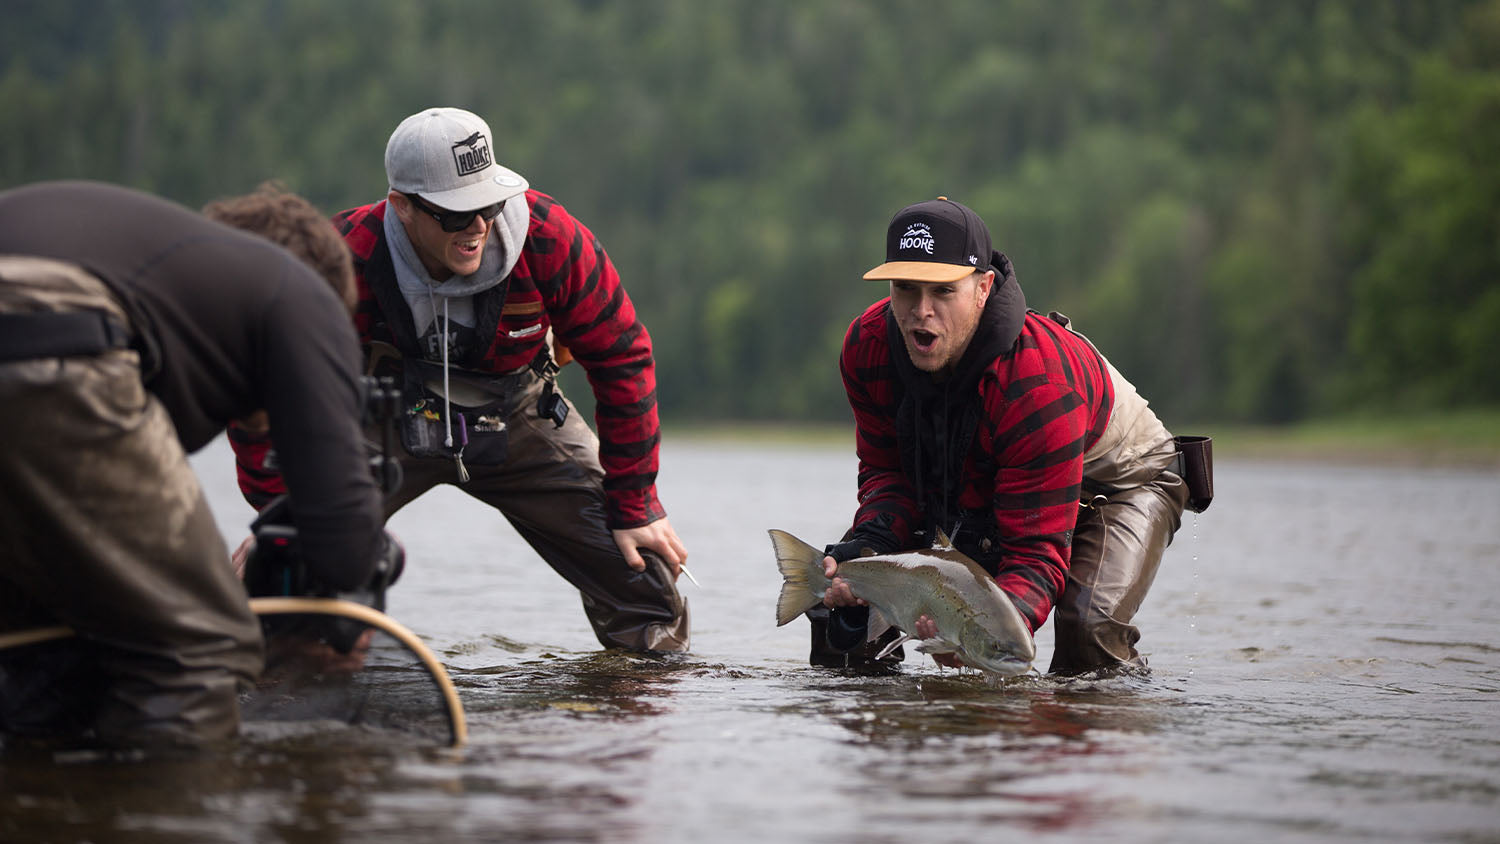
{"x":275,"y":566}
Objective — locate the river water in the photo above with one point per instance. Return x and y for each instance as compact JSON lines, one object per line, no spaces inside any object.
{"x":1324,"y":644}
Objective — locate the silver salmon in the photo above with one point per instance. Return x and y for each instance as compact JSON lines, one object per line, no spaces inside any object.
{"x":975,"y":618}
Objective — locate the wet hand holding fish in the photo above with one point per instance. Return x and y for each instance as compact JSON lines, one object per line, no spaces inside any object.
{"x":973,"y":616}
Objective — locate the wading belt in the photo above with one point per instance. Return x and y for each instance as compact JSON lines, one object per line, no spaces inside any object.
{"x":59,"y":335}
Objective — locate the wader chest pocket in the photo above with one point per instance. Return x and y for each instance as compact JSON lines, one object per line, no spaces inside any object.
{"x":477,"y":428}
{"x":479,"y":437}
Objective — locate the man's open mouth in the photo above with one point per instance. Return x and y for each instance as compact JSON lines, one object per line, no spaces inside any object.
{"x":923,"y":339}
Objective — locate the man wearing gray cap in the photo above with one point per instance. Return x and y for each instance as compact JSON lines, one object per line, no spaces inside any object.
{"x":472,"y":285}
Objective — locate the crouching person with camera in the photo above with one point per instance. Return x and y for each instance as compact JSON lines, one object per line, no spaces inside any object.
{"x":132,"y":330}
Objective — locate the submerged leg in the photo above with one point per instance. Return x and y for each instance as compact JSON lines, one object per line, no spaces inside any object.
{"x":830,"y":651}
{"x":107,"y":531}
{"x":551,"y":488}
{"x":1117,"y":548}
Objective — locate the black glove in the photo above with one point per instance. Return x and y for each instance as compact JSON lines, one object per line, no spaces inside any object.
{"x":390,"y":561}
{"x":342,"y":634}
{"x":859,"y":546}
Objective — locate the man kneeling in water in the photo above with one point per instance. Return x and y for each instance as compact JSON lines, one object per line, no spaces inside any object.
{"x":978,"y":418}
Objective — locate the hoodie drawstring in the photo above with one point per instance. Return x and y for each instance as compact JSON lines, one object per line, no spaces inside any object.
{"x":458,"y":456}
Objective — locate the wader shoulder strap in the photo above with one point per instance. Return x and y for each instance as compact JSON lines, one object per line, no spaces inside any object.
{"x":489,"y":307}
{"x":380,"y":276}
{"x":55,"y":335}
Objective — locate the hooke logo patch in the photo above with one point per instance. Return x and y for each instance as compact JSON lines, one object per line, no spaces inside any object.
{"x":472,"y":154}
{"x":918,"y":236}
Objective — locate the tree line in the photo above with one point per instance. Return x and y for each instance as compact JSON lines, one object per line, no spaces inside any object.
{"x":1260,"y":211}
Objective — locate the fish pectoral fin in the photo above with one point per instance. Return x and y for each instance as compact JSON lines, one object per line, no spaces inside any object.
{"x":942,"y":542}
{"x":937,"y":646}
{"x":886,"y":651}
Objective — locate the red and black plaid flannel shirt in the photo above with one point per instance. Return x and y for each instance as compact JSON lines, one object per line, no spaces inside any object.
{"x":1043,"y":405}
{"x":563,"y":281}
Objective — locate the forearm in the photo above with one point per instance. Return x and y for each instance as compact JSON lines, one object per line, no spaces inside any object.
{"x":1036,"y":492}
{"x":255,"y":467}
{"x":888,"y":513}
{"x":1033,"y":580}
{"x":886,"y":519}
{"x":629,"y":448}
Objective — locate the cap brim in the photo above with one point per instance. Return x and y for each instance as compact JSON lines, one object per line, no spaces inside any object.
{"x":496,"y":187}
{"x":919,"y":271}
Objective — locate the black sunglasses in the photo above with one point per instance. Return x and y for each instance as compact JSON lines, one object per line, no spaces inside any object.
{"x":455,"y":221}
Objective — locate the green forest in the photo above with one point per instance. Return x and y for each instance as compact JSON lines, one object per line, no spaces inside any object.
{"x":1262,"y":212}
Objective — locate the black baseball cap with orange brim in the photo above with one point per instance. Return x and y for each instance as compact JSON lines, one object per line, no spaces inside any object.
{"x":936,"y":241}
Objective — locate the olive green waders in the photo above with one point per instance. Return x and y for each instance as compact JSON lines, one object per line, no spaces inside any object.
{"x":1131,"y":507}
{"x":105,"y":529}
{"x":1117,"y":548}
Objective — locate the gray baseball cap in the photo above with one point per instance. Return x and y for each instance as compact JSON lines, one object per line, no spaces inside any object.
{"x":444,"y":155}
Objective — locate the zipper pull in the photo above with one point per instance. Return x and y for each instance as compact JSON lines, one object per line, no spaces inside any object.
{"x":458,"y":460}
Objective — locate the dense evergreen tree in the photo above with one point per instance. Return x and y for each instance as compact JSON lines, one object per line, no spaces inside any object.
{"x":1260,"y":210}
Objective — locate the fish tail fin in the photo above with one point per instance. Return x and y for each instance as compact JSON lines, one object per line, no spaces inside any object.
{"x":803,"y":583}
